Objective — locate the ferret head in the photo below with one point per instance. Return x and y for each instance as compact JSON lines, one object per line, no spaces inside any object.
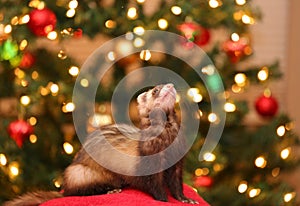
{"x":161,"y":97}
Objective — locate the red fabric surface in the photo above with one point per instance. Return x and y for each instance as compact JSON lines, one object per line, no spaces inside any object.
{"x":128,"y":197}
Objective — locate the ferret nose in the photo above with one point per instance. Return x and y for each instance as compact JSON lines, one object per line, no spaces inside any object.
{"x":170,"y":85}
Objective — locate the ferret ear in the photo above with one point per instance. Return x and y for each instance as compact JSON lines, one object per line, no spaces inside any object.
{"x":141,"y":99}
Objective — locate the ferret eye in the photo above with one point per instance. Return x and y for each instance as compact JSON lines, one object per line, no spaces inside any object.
{"x":155,"y":91}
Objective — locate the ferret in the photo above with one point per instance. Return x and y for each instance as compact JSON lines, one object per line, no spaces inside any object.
{"x":159,"y":129}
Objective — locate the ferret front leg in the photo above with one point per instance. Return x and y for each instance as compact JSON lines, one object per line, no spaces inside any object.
{"x":173,"y":179}
{"x":153,"y":185}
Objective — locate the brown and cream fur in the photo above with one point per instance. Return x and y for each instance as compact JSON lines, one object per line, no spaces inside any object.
{"x":159,"y":129}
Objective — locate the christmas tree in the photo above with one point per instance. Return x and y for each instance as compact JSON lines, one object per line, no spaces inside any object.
{"x":37,"y":135}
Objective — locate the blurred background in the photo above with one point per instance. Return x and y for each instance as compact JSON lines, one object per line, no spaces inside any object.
{"x":253,"y":44}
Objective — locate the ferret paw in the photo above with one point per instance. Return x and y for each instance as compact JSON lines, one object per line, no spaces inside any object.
{"x":188,"y":200}
{"x":114,"y":191}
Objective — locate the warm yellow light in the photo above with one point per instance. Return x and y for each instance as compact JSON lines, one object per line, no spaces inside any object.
{"x":205,"y":171}
{"x":105,"y":119}
{"x":44,"y":91}
{"x":238,"y":15}
{"x":98,"y":120}
{"x":74,"y":71}
{"x":263,"y":74}
{"x":191,"y":92}
{"x":198,"y":172}
{"x":41,"y":5}
{"x":70,"y":13}
{"x":139,"y":30}
{"x":110,"y":24}
{"x":57,"y":183}
{"x":54,"y":88}
{"x":66,"y":32}
{"x":267,"y":92}
{"x":209,"y":157}
{"x":260,"y":162}
{"x":140,"y":1}
{"x":162,"y":23}
{"x":240,"y":79}
{"x":69,"y":107}
{"x":243,"y":186}
{"x":34,"y":75}
{"x":14,"y":20}
{"x":236,"y":89}
{"x":111,"y":56}
{"x":145,"y":55}
{"x":129,"y":36}
{"x":24,"y":19}
{"x":14,"y":169}
{"x":289,"y":126}
{"x":247,"y":19}
{"x":235,"y":37}
{"x":212,"y":117}
{"x":276,"y":172}
{"x":132,"y":13}
{"x":240,"y":2}
{"x":19,"y":73}
{"x":123,"y":48}
{"x":32,"y":121}
{"x":177,"y":98}
{"x":68,"y":148}
{"x":209,"y":70}
{"x":7,"y":29}
{"x":84,"y":82}
{"x":248,"y":50}
{"x":33,"y":138}
{"x":218,"y":167}
{"x":176,"y":10}
{"x":34,"y":3}
{"x":198,"y":114}
{"x":280,"y":131}
{"x":138,"y":42}
{"x":289,"y":196}
{"x":254,"y":192}
{"x":62,"y":55}
{"x":25,"y":100}
{"x":214,"y":3}
{"x":3,"y":159}
{"x":52,"y":35}
{"x":73,"y":4}
{"x":24,"y":83}
{"x":285,"y":153}
{"x":229,"y":107}
{"x":23,"y":44}
{"x":197,"y":98}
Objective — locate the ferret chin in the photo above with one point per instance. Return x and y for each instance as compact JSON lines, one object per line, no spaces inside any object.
{"x":159,"y":129}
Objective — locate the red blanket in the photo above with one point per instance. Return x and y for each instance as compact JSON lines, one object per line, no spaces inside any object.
{"x":128,"y":197}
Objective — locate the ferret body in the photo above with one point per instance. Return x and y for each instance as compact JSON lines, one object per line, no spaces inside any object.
{"x":159,"y":129}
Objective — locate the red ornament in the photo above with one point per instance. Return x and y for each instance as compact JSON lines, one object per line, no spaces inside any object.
{"x":19,"y":131}
{"x":194,"y":33}
{"x":27,"y":61}
{"x":235,"y":49}
{"x":266,"y":106}
{"x":203,"y":181}
{"x":77,"y":33}
{"x":42,"y":21}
